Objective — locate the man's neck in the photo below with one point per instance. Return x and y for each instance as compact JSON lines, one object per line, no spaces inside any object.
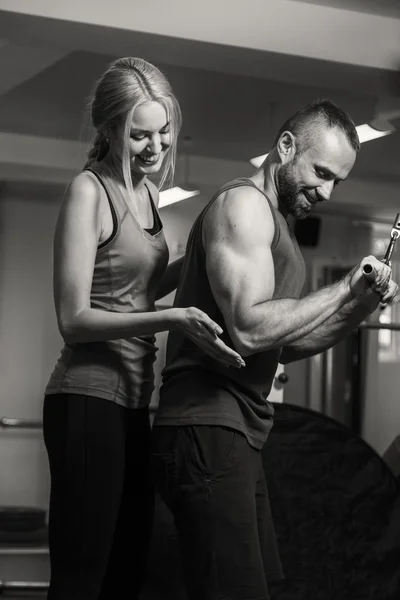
{"x":265,"y":178}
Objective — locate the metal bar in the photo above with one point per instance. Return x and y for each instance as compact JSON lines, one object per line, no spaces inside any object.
{"x":8,"y":422}
{"x":391,"y":326}
{"x":8,"y":549}
{"x":394,"y":235}
{"x":368,"y":270}
{"x":23,"y":586}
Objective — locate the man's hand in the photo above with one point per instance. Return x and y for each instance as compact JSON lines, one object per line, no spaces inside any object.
{"x":391,"y":294}
{"x":361,"y":286}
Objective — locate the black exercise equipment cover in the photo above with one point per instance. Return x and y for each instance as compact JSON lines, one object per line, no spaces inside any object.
{"x":336,"y":507}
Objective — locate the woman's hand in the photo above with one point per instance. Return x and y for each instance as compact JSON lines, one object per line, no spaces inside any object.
{"x":205,"y":332}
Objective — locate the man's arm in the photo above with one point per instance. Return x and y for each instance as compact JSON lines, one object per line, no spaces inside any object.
{"x":332,"y":331}
{"x":335,"y":329}
{"x":238,"y":233}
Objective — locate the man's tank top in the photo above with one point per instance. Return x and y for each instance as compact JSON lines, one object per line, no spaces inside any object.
{"x":127,"y":271}
{"x":199,"y":390}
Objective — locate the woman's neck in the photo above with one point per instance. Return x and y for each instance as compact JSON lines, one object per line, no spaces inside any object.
{"x":114,"y":164}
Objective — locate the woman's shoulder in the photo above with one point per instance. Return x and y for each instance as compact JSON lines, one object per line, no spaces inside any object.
{"x":83,"y":194}
{"x":85,"y":185}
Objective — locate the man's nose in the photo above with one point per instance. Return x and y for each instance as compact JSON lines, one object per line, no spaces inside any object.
{"x":324,"y":191}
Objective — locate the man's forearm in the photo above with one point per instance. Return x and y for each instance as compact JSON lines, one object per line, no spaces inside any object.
{"x":279,"y":323}
{"x":331,"y":331}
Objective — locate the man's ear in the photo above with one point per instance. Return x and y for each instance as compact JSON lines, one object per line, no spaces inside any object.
{"x":286,"y":147}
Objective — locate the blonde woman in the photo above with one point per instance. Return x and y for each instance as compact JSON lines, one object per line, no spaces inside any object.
{"x":110,"y":265}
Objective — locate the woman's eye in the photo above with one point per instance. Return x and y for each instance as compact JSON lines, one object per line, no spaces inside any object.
{"x":140,"y":138}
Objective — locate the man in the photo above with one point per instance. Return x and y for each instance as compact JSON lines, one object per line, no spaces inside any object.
{"x":244,"y":268}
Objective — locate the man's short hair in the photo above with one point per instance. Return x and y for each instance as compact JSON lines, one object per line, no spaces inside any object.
{"x":319,"y":114}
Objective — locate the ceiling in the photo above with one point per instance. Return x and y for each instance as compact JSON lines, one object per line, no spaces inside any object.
{"x":233,"y":99}
{"x":385,"y":8}
{"x":227,"y":115}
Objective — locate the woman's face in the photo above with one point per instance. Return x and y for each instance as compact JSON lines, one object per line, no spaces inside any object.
{"x":149,"y":139}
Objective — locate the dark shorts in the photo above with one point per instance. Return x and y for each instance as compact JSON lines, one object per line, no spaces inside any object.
{"x":213,"y":482}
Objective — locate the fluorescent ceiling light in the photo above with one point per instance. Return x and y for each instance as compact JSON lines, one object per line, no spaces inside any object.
{"x":258,"y":160}
{"x":366,"y":133}
{"x":175,"y":194}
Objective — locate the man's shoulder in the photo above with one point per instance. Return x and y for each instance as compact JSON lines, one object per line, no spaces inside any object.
{"x":240,"y":201}
{"x":239,"y":185}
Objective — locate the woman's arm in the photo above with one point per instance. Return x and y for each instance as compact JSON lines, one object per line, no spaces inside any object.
{"x":75,"y":244}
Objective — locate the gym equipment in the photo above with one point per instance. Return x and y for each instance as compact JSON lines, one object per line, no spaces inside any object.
{"x":336,"y":507}
{"x":368,"y":269}
{"x":23,"y":586}
{"x":20,"y":519}
{"x":7,"y":422}
{"x":23,"y":530}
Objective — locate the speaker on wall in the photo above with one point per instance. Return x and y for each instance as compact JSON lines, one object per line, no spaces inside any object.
{"x":307,"y":231}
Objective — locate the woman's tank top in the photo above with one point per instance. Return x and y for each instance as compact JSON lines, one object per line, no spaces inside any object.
{"x":127,"y":271}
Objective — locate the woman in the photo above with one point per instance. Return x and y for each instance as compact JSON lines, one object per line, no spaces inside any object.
{"x":110,"y":265}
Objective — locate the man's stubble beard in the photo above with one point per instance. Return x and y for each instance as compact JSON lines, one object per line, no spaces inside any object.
{"x":288,"y":191}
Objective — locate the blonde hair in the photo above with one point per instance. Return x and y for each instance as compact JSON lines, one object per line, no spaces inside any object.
{"x":128,"y":83}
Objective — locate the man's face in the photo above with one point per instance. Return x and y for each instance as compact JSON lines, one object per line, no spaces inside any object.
{"x":310,"y":176}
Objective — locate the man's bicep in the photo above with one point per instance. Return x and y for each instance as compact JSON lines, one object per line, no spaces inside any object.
{"x":241,"y":275}
{"x":238,"y":233}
